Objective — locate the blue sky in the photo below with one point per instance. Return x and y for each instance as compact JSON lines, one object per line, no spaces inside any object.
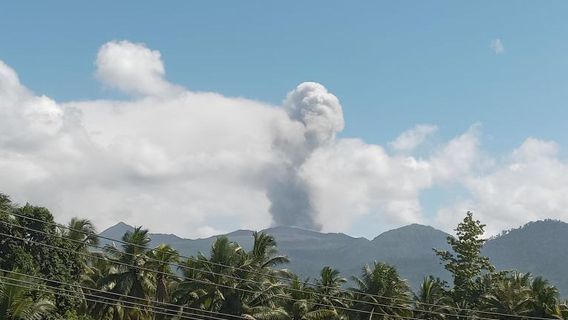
{"x":392,"y":64}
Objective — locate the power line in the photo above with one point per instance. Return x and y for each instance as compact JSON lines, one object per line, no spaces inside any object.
{"x":181,"y":266}
{"x":373,"y":303}
{"x":114,"y":294}
{"x":229,"y":287}
{"x":116,"y":300}
{"x":374,"y":296}
{"x":315,"y":285}
{"x":286,"y":279}
{"x":64,"y":292}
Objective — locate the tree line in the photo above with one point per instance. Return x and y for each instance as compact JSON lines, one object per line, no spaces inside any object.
{"x":52,"y":271}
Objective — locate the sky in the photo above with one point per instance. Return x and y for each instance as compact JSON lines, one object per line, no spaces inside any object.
{"x":198,"y":118}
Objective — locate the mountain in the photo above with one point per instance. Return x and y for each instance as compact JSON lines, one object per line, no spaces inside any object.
{"x":410,"y":249}
{"x":539,"y":247}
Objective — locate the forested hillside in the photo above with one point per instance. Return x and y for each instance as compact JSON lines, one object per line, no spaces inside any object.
{"x":67,"y":271}
{"x":409,"y":249}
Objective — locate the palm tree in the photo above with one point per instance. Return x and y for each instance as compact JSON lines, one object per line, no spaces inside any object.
{"x":82,"y":232}
{"x":383,"y":294}
{"x":432,"y":300}
{"x":233,"y":281}
{"x":323,"y":301}
{"x":301,"y":305}
{"x":17,"y":302}
{"x":264,"y":253}
{"x":328,"y":288}
{"x":544,"y":298}
{"x":129,"y":279}
{"x":160,"y":259}
{"x":261,"y":274}
{"x":95,"y":277}
{"x":560,"y":310}
{"x":209,"y":282}
{"x":511,"y":296}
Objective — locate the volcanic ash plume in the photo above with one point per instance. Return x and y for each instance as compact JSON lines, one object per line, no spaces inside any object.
{"x":320,"y":117}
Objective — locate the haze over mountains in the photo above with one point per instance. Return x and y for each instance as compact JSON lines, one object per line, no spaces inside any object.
{"x":540,"y":248}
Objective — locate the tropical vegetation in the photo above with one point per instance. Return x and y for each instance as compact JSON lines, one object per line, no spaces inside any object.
{"x":53,"y":271}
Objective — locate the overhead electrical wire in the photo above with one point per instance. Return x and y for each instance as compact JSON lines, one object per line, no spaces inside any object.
{"x":145,"y":305}
{"x":273,"y":276}
{"x":113,"y":302}
{"x":282,"y":296}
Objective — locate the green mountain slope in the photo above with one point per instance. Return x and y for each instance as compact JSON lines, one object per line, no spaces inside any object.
{"x":539,"y":247}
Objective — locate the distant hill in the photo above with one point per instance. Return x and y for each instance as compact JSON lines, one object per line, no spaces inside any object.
{"x":539,"y":247}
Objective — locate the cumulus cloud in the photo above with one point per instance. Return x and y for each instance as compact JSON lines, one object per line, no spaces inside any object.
{"x":458,"y":157}
{"x":497,"y":46}
{"x":530,"y":184}
{"x":412,"y":138}
{"x":212,"y":163}
{"x":27,"y":120}
{"x":351,"y":179}
{"x":133,"y":68}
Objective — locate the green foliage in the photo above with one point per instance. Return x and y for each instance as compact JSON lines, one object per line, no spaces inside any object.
{"x":17,"y":301}
{"x":381,"y":292}
{"x":23,"y":251}
{"x":239,"y":283}
{"x":432,"y":299}
{"x":465,"y":263}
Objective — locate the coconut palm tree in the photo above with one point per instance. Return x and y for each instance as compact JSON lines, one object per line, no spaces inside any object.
{"x":209,"y":282}
{"x":161,"y":259}
{"x":432,"y":300}
{"x":383,"y":294}
{"x":511,"y":295}
{"x":544,"y":298}
{"x":129,"y":279}
{"x":560,"y":310}
{"x":302,"y":303}
{"x":18,"y":303}
{"x":261,"y":273}
{"x":264,"y":253}
{"x":328,"y":288}
{"x":82,"y":232}
{"x":95,"y":277}
{"x":233,"y":281}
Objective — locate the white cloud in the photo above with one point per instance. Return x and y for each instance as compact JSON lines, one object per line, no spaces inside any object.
{"x":530,"y":184}
{"x":196,"y":163}
{"x":412,"y":138}
{"x":351,"y":179}
{"x":133,"y":68}
{"x":457,"y":159}
{"x":497,"y":46}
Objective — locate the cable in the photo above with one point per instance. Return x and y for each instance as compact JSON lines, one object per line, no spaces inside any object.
{"x":224,"y":286}
{"x":274,"y":276}
{"x":115,"y":294}
{"x":315,"y":285}
{"x":211,"y":272}
{"x":137,"y":304}
{"x":255,"y":282}
{"x":62,"y":292}
{"x":145,"y":305}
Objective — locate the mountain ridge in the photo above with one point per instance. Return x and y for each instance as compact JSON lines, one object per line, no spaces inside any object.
{"x":408,"y":248}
